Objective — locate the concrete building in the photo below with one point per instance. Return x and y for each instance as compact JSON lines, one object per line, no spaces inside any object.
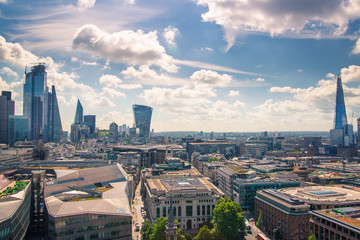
{"x":338,"y":223}
{"x":289,"y":215}
{"x":89,"y":204}
{"x":193,"y":197}
{"x":228,"y":149}
{"x":225,"y":177}
{"x":15,"y":199}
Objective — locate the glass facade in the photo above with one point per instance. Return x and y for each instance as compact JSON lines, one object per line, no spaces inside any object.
{"x":79,"y":113}
{"x":7,"y":108}
{"x":35,"y":102}
{"x":340,"y":110}
{"x":18,"y":128}
{"x":90,"y":121}
{"x":55,"y":132}
{"x":142,"y":118}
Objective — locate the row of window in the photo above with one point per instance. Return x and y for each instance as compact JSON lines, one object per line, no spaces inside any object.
{"x":202,"y":210}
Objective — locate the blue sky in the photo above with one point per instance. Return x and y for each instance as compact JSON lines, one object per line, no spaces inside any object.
{"x":210,"y":65}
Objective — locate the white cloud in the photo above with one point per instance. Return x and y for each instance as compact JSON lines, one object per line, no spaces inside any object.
{"x":233,"y":93}
{"x":356,"y":49}
{"x":208,"y":49}
{"x":89,"y":63}
{"x":259,"y":79}
{"x":211,"y":78}
{"x":169,"y":34}
{"x":350,"y":74}
{"x":300,"y":70}
{"x":281,"y":17}
{"x":85,"y":4}
{"x":101,"y":102}
{"x":9,"y":72}
{"x":4,"y":1}
{"x":129,"y":47}
{"x":147,"y":76}
{"x":110,"y":80}
{"x":239,"y":104}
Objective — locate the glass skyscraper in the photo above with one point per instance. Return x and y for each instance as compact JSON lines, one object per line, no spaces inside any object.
{"x":18,"y":128}
{"x":79,"y":113}
{"x":35,"y":104}
{"x":340,"y":110}
{"x":142,"y":118}
{"x":90,"y":121}
{"x":7,"y":108}
{"x":55,"y":132}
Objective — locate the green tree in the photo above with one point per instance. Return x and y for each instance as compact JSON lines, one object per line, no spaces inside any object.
{"x":146,"y":230}
{"x":312,"y":236}
{"x":188,"y":236}
{"x":259,"y":222}
{"x":213,"y":159}
{"x":204,"y":234}
{"x":277,"y":234}
{"x":159,"y":229}
{"x":229,"y":220}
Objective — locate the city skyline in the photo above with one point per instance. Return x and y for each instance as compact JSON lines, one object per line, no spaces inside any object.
{"x":201,"y":65}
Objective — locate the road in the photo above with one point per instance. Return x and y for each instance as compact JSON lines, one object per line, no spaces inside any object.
{"x":136,"y":211}
{"x":254,"y":232}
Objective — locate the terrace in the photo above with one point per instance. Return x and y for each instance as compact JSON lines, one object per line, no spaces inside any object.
{"x":13,"y":188}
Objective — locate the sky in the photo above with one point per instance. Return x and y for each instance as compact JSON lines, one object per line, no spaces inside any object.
{"x":202,"y":65}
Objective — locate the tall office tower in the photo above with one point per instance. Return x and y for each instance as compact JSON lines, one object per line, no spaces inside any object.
{"x":358,"y":131}
{"x":340,"y":110}
{"x":55,"y":132}
{"x":113,"y":131}
{"x":90,"y":121}
{"x":342,"y":134}
{"x":7,"y":108}
{"x":79,"y":113}
{"x":35,"y":100}
{"x":142,"y":117}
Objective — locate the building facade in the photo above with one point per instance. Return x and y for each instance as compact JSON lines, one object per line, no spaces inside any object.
{"x":142,"y":119}
{"x":338,"y":223}
{"x":18,"y":128}
{"x":113,"y":132}
{"x":7,"y":108}
{"x":289,"y":215}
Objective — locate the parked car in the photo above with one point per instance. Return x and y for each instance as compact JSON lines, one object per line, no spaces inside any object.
{"x":137,"y":226}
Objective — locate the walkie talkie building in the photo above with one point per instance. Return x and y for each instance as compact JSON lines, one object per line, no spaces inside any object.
{"x":142,"y":119}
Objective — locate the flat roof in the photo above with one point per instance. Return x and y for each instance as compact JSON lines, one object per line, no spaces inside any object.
{"x":334,"y":193}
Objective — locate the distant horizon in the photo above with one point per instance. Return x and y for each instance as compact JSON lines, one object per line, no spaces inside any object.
{"x":215,"y":65}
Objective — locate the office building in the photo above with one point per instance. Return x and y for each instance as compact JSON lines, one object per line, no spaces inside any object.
{"x":79,"y":113}
{"x":55,"y":133}
{"x":18,"y":128}
{"x":193,"y":198}
{"x":342,"y":133}
{"x":245,"y":190}
{"x":337,"y":223}
{"x":7,"y":108}
{"x":113,"y":131}
{"x":289,"y":215}
{"x":90,"y":121}
{"x":89,"y":204}
{"x":15,"y":199}
{"x":35,"y":104}
{"x":142,"y":119}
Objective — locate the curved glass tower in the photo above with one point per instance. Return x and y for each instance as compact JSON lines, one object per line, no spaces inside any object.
{"x":142,"y":118}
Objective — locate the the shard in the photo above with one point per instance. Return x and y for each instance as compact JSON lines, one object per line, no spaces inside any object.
{"x":340,"y":110}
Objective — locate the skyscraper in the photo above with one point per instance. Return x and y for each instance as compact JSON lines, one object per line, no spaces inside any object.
{"x":342,"y":134}
{"x":113,"y":131}
{"x":90,"y":121}
{"x":55,"y":132}
{"x":7,"y":108}
{"x":142,"y":118}
{"x":79,"y":113}
{"x":340,"y":110}
{"x":18,"y":128}
{"x":35,"y":104}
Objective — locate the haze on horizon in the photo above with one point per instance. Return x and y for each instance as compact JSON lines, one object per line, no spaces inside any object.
{"x":219,"y":65}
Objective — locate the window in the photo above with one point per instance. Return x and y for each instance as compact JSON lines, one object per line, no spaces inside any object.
{"x":203,"y":210}
{"x":157,"y":212}
{"x":198,"y":210}
{"x":174,"y":211}
{"x":179,"y":211}
{"x":208,"y":209}
{"x":164,"y":211}
{"x":189,"y":211}
{"x":188,"y":201}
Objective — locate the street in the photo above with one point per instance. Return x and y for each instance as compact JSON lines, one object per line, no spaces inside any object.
{"x":136,"y":211}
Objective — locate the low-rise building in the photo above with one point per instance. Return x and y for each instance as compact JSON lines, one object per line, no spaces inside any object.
{"x":338,"y":223}
{"x":289,"y":215}
{"x":193,"y":197}
{"x":89,"y":204}
{"x":15,"y":201}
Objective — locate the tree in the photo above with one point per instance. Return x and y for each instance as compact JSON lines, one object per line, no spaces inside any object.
{"x":229,"y":220}
{"x":159,"y":229}
{"x":146,"y":230}
{"x":277,"y":234}
{"x":312,"y":236}
{"x":204,"y":234}
{"x":259,"y":222}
